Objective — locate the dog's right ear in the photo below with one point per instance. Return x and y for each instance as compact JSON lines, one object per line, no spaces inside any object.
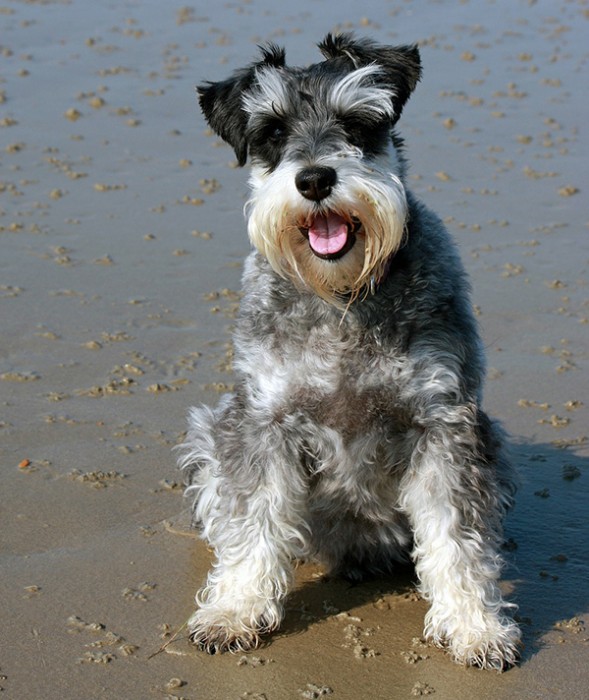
{"x":222,"y":102}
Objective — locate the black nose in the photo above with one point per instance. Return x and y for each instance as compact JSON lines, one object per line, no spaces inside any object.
{"x":316,"y":182}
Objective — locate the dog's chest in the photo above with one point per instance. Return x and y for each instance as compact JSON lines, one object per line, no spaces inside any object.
{"x":339,"y":376}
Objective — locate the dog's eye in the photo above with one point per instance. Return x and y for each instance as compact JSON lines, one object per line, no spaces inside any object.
{"x":267,"y":140}
{"x":351,"y":125}
{"x":275,"y":130}
{"x":372,"y":136}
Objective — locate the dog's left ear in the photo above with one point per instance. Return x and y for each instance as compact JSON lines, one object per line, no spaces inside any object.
{"x":222,"y":102}
{"x":401,"y":65}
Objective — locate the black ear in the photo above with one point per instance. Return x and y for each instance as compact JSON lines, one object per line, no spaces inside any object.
{"x":222,"y":106}
{"x":222,"y":102}
{"x":401,"y":65}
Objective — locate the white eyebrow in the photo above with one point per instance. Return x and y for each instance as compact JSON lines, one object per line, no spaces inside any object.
{"x":356,"y":92}
{"x":270,"y":94}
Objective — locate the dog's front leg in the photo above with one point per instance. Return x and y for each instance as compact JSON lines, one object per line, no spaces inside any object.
{"x":454,"y":502}
{"x":251,"y":506}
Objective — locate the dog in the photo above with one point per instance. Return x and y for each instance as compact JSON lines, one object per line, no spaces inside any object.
{"x":354,"y":435}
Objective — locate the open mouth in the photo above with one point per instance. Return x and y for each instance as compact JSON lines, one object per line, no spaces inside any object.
{"x":330,"y":235}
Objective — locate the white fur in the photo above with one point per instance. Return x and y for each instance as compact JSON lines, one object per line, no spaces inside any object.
{"x":458,"y":569}
{"x":372,"y":191}
{"x":356,"y":92}
{"x":271,"y":95}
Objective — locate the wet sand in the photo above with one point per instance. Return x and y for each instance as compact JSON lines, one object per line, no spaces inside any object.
{"x":121,"y":244}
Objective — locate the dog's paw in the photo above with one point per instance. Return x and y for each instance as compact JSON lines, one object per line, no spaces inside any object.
{"x":217,"y":638}
{"x":216,"y":633}
{"x":495,"y":648}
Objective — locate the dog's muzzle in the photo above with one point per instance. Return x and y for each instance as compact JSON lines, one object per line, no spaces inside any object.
{"x":330,"y":234}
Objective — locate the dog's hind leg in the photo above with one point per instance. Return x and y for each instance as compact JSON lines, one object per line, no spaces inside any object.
{"x":250,"y":501}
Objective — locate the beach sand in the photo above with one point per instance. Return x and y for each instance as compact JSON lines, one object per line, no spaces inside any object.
{"x":121,"y":245}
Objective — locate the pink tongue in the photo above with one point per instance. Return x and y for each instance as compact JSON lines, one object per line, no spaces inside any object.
{"x":328,"y":234}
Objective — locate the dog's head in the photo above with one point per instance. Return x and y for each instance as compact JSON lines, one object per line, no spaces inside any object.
{"x":328,"y":205}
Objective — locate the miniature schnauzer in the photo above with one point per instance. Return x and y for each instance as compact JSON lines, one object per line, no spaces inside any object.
{"x":354,"y":435}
